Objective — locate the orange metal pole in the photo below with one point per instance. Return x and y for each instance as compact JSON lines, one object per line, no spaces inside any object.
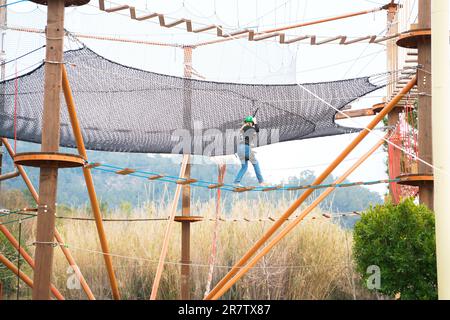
{"x":22,"y":172}
{"x":27,"y":257}
{"x":304,"y":24}
{"x":165,"y":245}
{"x":294,"y":223}
{"x":14,"y":269}
{"x":74,"y":266}
{"x":299,"y":25}
{"x":58,"y":237}
{"x":307,"y":192}
{"x":89,"y":183}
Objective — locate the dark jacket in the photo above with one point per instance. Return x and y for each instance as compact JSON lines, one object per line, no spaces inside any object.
{"x":249,"y":133}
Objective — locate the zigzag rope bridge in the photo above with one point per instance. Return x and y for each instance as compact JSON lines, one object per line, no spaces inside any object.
{"x":223,"y":186}
{"x":251,"y":35}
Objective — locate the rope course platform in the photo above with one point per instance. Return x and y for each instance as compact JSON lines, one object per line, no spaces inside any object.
{"x":415,"y":179}
{"x":188,"y":218}
{"x":410,"y":38}
{"x":223,"y":186}
{"x":67,"y":3}
{"x":49,"y":160}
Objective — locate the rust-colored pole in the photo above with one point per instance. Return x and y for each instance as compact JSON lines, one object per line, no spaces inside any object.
{"x":27,"y":257}
{"x":16,"y":271}
{"x":21,"y":170}
{"x":307,"y":192}
{"x":10,"y":175}
{"x":89,"y":183}
{"x":58,"y":237}
{"x":74,"y":266}
{"x":294,"y":223}
{"x":168,"y":232}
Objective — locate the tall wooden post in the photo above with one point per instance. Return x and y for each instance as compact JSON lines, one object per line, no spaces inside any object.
{"x":186,"y":192}
{"x":424,"y":111}
{"x":50,"y":143}
{"x":392,"y":66}
{"x":3,"y":16}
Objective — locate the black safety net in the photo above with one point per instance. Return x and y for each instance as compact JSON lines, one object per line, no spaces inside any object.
{"x":124,"y":109}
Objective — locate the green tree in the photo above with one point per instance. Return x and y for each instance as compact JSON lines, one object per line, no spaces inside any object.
{"x":400,"y":240}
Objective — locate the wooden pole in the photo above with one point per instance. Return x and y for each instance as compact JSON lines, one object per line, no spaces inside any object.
{"x":424,"y":110}
{"x":441,"y":140}
{"x":50,"y":143}
{"x":89,"y":183}
{"x":186,"y":236}
{"x":308,"y":192}
{"x":16,"y":271}
{"x":168,"y":232}
{"x":58,"y":237}
{"x":27,"y":257}
{"x":294,"y":223}
{"x":186,"y":189}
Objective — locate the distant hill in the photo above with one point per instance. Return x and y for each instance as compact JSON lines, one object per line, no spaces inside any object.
{"x":115,"y":190}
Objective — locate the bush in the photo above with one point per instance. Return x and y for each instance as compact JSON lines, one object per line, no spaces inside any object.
{"x":400,"y":240}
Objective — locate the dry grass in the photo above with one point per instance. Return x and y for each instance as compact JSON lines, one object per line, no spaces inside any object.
{"x":313,"y":262}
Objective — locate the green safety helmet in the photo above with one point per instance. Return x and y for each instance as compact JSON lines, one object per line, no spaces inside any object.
{"x":248,"y":119}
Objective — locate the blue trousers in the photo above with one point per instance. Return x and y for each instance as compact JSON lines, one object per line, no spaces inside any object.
{"x":245,"y":154}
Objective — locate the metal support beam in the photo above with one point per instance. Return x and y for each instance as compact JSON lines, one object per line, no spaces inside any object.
{"x":168,"y":232}
{"x":89,"y":183}
{"x":26,"y":257}
{"x":278,"y":223}
{"x":280,"y":236}
{"x":9,"y":175}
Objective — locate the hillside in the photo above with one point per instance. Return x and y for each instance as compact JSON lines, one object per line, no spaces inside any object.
{"x":114,"y":190}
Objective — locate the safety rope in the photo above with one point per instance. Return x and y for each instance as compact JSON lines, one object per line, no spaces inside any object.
{"x":7,"y":213}
{"x":215,"y":219}
{"x":10,"y":4}
{"x":194,"y":264}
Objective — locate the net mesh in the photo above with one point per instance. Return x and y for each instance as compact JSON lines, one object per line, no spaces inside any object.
{"x":124,"y":109}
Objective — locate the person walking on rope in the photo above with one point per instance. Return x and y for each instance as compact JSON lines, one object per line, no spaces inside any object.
{"x":248,"y":135}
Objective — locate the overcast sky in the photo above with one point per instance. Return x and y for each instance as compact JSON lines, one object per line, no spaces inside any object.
{"x":238,"y":61}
